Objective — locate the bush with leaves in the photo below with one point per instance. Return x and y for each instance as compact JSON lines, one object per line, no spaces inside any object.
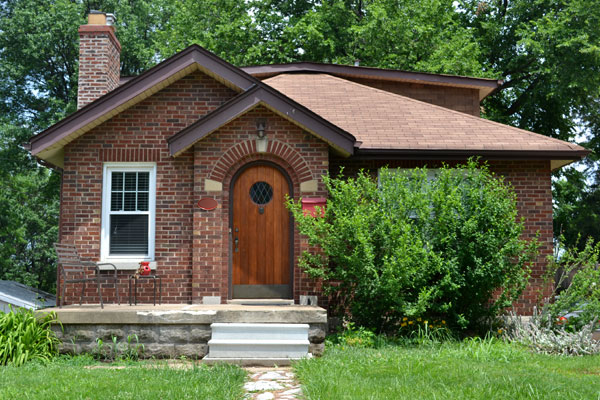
{"x":577,"y":286}
{"x":25,"y":336}
{"x":405,"y":245}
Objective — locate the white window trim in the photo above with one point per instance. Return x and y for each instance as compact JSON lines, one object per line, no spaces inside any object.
{"x":126,"y":261}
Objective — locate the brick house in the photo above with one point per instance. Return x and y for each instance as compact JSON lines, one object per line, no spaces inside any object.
{"x":145,"y":159}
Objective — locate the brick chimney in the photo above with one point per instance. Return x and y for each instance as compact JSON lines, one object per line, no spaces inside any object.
{"x":99,"y":58}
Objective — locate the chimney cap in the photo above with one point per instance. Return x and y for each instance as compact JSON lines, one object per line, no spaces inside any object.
{"x":96,"y":17}
{"x":110,"y":19}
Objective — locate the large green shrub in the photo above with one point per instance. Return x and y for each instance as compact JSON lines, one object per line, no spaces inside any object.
{"x":25,"y":337}
{"x":408,"y":245}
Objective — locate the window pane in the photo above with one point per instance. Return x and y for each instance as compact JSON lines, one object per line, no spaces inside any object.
{"x":130,"y":180}
{"x":143,"y":181}
{"x":129,"y":204}
{"x":129,"y":234}
{"x":142,"y":202}
{"x":116,"y":201}
{"x":117,"y":181}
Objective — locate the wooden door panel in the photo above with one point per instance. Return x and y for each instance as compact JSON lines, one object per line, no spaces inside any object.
{"x":262,"y":257}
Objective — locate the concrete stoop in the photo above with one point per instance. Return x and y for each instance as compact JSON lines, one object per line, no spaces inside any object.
{"x":257,"y":344}
{"x":175,"y":330}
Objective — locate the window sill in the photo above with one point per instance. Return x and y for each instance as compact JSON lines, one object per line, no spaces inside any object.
{"x":124,"y":265}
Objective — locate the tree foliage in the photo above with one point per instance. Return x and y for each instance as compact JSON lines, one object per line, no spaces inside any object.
{"x":547,"y":52}
{"x":402,"y":245}
{"x":38,"y":86}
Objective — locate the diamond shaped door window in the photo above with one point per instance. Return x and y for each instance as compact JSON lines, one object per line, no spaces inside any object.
{"x":261,"y":193}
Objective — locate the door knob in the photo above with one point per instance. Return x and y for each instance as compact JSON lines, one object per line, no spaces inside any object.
{"x":236,"y":241}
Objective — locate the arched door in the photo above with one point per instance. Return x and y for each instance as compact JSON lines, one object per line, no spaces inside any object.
{"x":261,"y":232}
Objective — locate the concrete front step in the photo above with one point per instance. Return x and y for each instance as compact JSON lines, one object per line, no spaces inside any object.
{"x":253,"y":362}
{"x":261,"y":302}
{"x":281,"y":349}
{"x":259,"y":332}
{"x":238,"y":341}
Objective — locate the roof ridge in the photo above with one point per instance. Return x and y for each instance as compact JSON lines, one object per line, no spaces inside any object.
{"x":300,"y":63}
{"x":395,"y":95}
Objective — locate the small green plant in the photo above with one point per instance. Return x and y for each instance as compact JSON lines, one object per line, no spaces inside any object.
{"x":424,"y":331}
{"x":130,"y":350}
{"x":25,"y":336}
{"x":356,"y":336}
{"x":133,"y":349}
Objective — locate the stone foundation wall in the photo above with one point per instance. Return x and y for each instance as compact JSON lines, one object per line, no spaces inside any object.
{"x":170,"y":331}
{"x":159,"y":341}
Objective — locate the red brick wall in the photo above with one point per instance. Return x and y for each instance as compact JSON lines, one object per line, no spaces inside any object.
{"x":218,"y":158}
{"x":139,"y":134}
{"x":459,"y":99}
{"x":192,"y":246}
{"x":532,"y":184}
{"x":99,"y":62}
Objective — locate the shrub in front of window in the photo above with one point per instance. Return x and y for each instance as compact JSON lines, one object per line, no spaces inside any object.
{"x":404,"y":245}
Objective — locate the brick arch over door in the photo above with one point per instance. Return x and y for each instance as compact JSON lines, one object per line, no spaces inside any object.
{"x":216,"y":159}
{"x":247,"y":149}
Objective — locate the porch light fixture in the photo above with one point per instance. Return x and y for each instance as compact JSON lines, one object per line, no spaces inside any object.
{"x":261,"y":125}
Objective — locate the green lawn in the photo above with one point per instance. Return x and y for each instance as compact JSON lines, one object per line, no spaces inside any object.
{"x":485,"y":370}
{"x":69,"y":379}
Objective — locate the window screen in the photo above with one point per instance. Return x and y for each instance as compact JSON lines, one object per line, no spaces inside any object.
{"x":129,"y":216}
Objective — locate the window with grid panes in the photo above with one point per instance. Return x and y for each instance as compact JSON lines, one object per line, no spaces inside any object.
{"x":128,"y":212}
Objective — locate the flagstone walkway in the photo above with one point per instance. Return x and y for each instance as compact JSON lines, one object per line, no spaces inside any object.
{"x":272,"y":383}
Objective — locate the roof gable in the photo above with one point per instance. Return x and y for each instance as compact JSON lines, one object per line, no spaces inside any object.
{"x":48,"y":145}
{"x":262,"y":94}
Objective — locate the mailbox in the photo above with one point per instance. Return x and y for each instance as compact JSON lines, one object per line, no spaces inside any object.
{"x":308,"y":206}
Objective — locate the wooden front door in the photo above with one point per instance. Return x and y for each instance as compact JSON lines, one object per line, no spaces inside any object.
{"x":261,"y":233}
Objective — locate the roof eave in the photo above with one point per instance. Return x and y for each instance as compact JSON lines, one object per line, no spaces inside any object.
{"x":558,"y":158}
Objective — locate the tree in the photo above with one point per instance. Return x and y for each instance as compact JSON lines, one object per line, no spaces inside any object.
{"x":547,"y":52}
{"x":28,"y":214}
{"x":38,"y":86}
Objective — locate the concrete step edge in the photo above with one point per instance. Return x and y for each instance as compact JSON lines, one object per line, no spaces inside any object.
{"x":258,"y":342}
{"x":254,"y":361}
{"x":249,"y":325}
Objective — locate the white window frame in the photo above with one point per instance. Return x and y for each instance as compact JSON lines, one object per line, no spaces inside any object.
{"x":108,"y":169}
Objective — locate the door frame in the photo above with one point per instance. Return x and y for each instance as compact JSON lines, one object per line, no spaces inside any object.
{"x":230,"y":225}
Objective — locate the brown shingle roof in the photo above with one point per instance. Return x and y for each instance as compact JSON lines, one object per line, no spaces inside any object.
{"x":484,"y":86}
{"x":383,"y":120}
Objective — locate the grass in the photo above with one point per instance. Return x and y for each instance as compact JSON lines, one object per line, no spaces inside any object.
{"x":476,"y":369}
{"x":68,"y":378}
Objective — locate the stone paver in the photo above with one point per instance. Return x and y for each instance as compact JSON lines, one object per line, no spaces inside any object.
{"x":272,"y":384}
